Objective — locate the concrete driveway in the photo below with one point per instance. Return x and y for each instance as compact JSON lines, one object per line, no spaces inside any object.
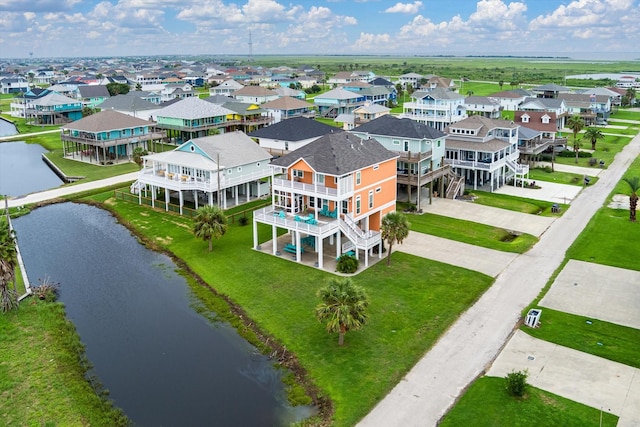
{"x":487,"y":261}
{"x":584,"y":378}
{"x":496,"y":217}
{"x":548,"y":191}
{"x":597,"y":291}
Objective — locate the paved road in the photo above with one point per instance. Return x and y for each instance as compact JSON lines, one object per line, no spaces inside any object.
{"x":70,"y":189}
{"x":425,"y":394}
{"x":27,"y":135}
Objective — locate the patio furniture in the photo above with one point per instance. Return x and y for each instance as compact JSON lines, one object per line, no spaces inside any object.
{"x":291,"y":248}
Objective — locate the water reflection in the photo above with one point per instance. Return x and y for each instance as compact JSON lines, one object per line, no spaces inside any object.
{"x":22,"y":170}
{"x":163,"y":363}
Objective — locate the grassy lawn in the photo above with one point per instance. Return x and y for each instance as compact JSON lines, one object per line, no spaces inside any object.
{"x":472,"y":233}
{"x":24,"y":127}
{"x":605,"y":150}
{"x":545,"y":174}
{"x":412,"y":302}
{"x":617,"y":343}
{"x":518,"y":204}
{"x":625,"y":115}
{"x":487,"y":404}
{"x":482,"y":89}
{"x":41,"y":380}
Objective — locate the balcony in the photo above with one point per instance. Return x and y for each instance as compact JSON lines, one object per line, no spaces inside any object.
{"x":316,"y":190}
{"x":178,"y":181}
{"x":113,"y":142}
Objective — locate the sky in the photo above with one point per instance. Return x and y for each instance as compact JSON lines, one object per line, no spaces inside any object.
{"x":580,"y":29}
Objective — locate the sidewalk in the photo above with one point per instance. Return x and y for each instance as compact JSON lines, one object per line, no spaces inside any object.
{"x":470,"y":345}
{"x":26,"y":135}
{"x":70,"y":189}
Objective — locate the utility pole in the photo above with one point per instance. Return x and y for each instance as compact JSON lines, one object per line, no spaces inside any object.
{"x":250,"y":48}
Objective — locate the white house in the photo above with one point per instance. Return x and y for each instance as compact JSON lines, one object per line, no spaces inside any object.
{"x":227,"y":169}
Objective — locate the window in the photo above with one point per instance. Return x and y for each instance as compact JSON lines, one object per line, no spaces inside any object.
{"x":371,"y":199}
{"x":379,"y":189}
{"x":258,"y":164}
{"x":297,"y":173}
{"x":320,"y":178}
{"x":229,"y":171}
{"x":345,"y":206}
{"x":239,"y":168}
{"x":376,"y":167}
{"x":525,"y":118}
{"x":358,"y":205}
{"x":396,"y":142}
{"x":358,"y":178}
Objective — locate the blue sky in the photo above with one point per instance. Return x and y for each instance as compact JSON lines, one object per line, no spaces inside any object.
{"x":601,"y":29}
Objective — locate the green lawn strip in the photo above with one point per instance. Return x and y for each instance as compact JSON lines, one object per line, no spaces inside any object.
{"x":515,"y":203}
{"x":608,"y":239}
{"x":607,"y":340}
{"x":487,"y":404}
{"x":629,"y":131}
{"x":24,"y":127}
{"x":472,"y":233}
{"x":412,"y":303}
{"x":558,"y":177}
{"x":42,"y":381}
{"x":605,"y":150}
{"x":625,"y":115}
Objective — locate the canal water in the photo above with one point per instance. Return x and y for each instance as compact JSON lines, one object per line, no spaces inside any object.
{"x":22,"y":170}
{"x":7,"y":128}
{"x":163,"y":363}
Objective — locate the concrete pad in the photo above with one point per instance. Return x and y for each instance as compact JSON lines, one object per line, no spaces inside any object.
{"x":549,"y":191}
{"x":580,"y":170}
{"x":597,"y":291}
{"x":619,"y":201}
{"x":584,"y":378}
{"x":487,"y":261}
{"x":496,"y":217}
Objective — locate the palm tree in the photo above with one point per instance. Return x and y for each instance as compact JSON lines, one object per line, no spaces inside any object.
{"x":209,"y":223}
{"x":138,"y":152}
{"x":395,"y":228}
{"x":501,"y":83}
{"x":8,"y":261}
{"x":634,"y":184}
{"x":576,"y":124}
{"x":593,"y":134}
{"x":343,"y":306}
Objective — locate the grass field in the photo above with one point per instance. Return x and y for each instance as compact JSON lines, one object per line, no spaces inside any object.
{"x":487,"y":404}
{"x":518,"y":204}
{"x":412,"y":302}
{"x":42,"y":381}
{"x":472,"y":233}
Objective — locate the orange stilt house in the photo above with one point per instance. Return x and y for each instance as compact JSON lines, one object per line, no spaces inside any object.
{"x":333,"y":190}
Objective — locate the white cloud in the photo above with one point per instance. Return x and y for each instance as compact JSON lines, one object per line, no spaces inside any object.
{"x":409,"y":8}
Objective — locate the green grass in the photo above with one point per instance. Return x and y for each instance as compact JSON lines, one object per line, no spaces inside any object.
{"x":42,"y":382}
{"x":517,"y":204}
{"x":545,"y":174}
{"x":472,"y":233}
{"x":605,"y":150}
{"x":626,"y":115}
{"x":24,"y":127}
{"x":482,"y":89}
{"x":412,"y":303}
{"x":487,"y":404}
{"x":618,"y":343}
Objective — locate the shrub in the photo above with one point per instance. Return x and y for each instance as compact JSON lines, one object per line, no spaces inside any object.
{"x":571,"y":153}
{"x":347,"y":264}
{"x":243,"y":220}
{"x":516,"y":382}
{"x":47,"y":290}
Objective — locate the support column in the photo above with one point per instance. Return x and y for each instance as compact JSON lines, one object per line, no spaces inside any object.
{"x":338,"y":243}
{"x":274,"y":238}
{"x":298,"y":247}
{"x":236,"y":189}
{"x":319,"y":245}
{"x":224,"y":198}
{"x":255,"y":234}
{"x":247,"y":188}
{"x":180,"y":200}
{"x":195,"y":198}
{"x":166,"y":199}
{"x":153,"y":196}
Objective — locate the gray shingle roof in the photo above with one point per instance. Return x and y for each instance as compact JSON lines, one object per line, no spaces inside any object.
{"x":389,"y":125}
{"x":193,"y":108}
{"x":127,"y":103}
{"x":437,"y":93}
{"x":294,"y":129}
{"x":107,"y":120}
{"x":234,"y":149}
{"x":93,"y":91}
{"x":338,"y":153}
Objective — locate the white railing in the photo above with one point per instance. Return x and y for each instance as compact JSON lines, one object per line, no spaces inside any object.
{"x":301,"y":187}
{"x":186,"y":182}
{"x":352,"y":225}
{"x":272,"y":216}
{"x":518,"y":168}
